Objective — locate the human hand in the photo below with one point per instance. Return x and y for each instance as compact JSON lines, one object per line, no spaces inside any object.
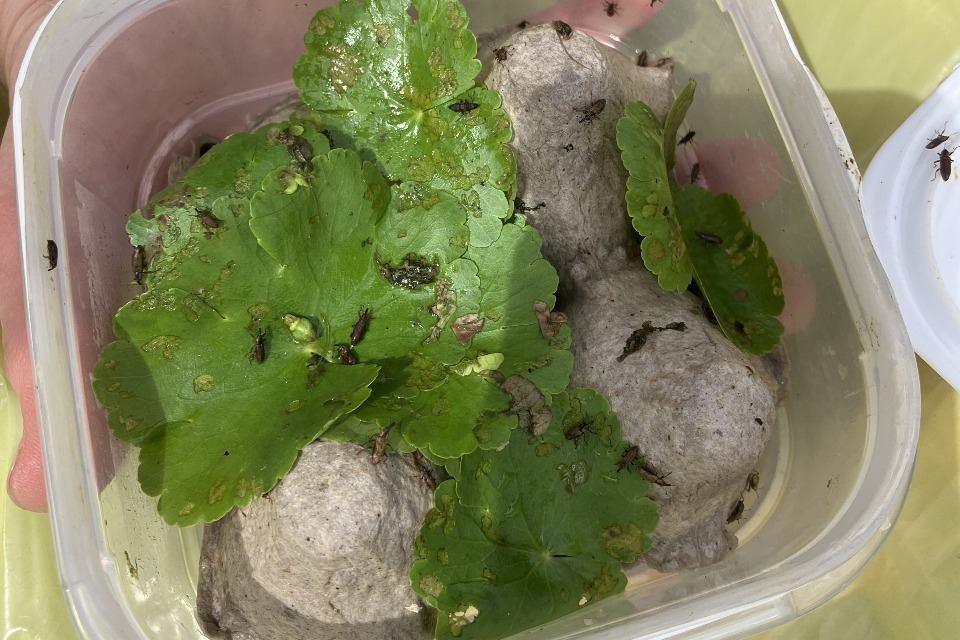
{"x":19,"y":20}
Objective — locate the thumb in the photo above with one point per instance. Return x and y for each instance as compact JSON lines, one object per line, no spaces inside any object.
{"x":25,"y":484}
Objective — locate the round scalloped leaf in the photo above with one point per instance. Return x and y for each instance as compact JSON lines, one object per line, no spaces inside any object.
{"x":649,"y":202}
{"x":216,"y":427}
{"x":498,"y":285}
{"x":217,"y":190}
{"x":513,"y":275}
{"x":535,"y":531}
{"x":735,"y":272}
{"x":399,"y":78}
{"x":189,"y":354}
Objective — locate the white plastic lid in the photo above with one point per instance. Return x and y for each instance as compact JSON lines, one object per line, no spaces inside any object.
{"x":913,"y":217}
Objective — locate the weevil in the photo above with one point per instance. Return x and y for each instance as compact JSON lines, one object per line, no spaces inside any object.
{"x":944,"y":164}
{"x":628,"y":457}
{"x":132,"y":566}
{"x":52,"y":255}
{"x":380,"y":446}
{"x":939,"y":139}
{"x":687,"y":137}
{"x":577,"y":431}
{"x":709,"y":237}
{"x":425,"y":473}
{"x":462,"y":106}
{"x":694,"y":172}
{"x":592,"y":111}
{"x":708,"y":313}
{"x":652,"y":477}
{"x":413,"y":271}
{"x":563,"y":29}
{"x":259,"y":347}
{"x":315,"y":369}
{"x":753,"y":481}
{"x":565,"y":32}
{"x":736,"y":513}
{"x":360,"y":328}
{"x":300,"y":151}
{"x":521,"y":206}
{"x":206,"y":219}
{"x":611,"y":8}
{"x":139,"y":264}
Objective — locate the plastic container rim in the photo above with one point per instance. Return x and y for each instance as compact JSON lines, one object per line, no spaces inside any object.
{"x":87,"y":570}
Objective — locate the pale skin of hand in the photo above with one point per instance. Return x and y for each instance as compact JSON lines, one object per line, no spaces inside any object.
{"x":19,"y":20}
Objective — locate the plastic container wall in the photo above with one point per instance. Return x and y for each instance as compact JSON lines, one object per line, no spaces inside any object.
{"x":111,"y":88}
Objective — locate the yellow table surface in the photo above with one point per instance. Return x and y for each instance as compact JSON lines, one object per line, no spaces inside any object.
{"x":877,"y":61}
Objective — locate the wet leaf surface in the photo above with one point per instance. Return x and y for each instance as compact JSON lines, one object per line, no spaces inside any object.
{"x":690,"y":233}
{"x":535,"y":531}
{"x":737,"y":276}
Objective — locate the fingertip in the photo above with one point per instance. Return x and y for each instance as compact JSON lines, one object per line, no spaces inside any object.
{"x":25,"y":483}
{"x":800,"y":297}
{"x":747,"y":168}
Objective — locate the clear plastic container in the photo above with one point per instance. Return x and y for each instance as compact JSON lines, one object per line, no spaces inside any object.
{"x":111,"y":87}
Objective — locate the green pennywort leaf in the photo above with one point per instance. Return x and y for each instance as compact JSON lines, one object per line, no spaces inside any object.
{"x":398,"y":78}
{"x":649,"y":201}
{"x":691,"y":234}
{"x":537,"y":530}
{"x":733,"y":268}
{"x":434,"y":388}
{"x":205,"y":376}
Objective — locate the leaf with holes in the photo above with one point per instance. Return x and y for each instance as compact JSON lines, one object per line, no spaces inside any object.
{"x":209,"y":376}
{"x":733,"y":268}
{"x":423,"y":379}
{"x":649,"y":202}
{"x":690,"y":233}
{"x":535,"y":531}
{"x":399,"y":79}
